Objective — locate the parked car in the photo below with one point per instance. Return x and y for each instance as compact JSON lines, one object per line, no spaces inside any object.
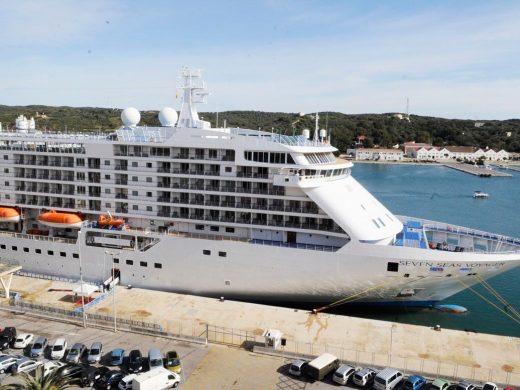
{"x":415,"y":382}
{"x":126,"y":382}
{"x":38,"y":348}
{"x":51,"y":366}
{"x":75,"y":353}
{"x":25,"y":365}
{"x":90,"y":375}
{"x":440,"y":384}
{"x":7,"y":337}
{"x":117,"y":357}
{"x":95,"y":352}
{"x":23,"y":340}
{"x":110,"y":380}
{"x":58,"y":349}
{"x":323,"y":365}
{"x":135,"y":361}
{"x":343,"y":374}
{"x":71,"y":371}
{"x":155,"y":358}
{"x":6,"y":362}
{"x":465,"y":385}
{"x":388,"y":379}
{"x":364,"y":377}
{"x":172,"y":362}
{"x":489,"y":386}
{"x":297,"y":367}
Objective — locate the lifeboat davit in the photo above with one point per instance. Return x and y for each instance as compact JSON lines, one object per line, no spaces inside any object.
{"x":9,"y":214}
{"x":108,"y":220}
{"x":60,"y":220}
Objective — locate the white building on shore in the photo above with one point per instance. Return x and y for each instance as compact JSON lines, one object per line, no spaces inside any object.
{"x":378,"y":154}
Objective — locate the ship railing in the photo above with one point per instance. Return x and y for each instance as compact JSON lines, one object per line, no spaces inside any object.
{"x":325,"y":248}
{"x":38,"y":237}
{"x":428,"y":225}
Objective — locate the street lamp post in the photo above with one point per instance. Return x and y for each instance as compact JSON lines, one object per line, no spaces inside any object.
{"x":81,"y":281}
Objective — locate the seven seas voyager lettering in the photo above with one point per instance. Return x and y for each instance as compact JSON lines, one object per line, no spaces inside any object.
{"x":411,"y":263}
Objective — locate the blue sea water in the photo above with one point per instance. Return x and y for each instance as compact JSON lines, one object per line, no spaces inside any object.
{"x":443,"y":194}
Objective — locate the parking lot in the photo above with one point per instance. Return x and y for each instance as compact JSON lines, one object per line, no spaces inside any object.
{"x":203,"y":367}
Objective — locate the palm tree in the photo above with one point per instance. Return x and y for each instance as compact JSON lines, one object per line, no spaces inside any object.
{"x":52,"y":381}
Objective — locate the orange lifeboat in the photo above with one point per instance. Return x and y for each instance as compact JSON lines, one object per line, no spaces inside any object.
{"x":9,"y":214}
{"x":108,"y":220}
{"x":60,"y":220}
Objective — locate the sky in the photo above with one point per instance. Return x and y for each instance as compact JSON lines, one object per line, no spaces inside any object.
{"x":453,"y":59}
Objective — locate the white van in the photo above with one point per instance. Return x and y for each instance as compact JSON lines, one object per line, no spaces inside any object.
{"x":322,"y":366}
{"x":126,"y":382}
{"x":387,"y":379}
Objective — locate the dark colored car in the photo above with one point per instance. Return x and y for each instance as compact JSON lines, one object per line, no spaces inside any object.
{"x":7,"y":337}
{"x":72,"y":371}
{"x":110,"y":380}
{"x":135,"y":361}
{"x":90,"y":375}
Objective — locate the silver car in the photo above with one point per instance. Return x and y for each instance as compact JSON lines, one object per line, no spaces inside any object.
{"x":6,"y":362}
{"x":38,"y":348}
{"x":75,"y":353}
{"x":95,"y":352}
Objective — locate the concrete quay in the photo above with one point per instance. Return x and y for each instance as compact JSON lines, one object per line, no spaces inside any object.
{"x":475,"y":170}
{"x":361,"y":341}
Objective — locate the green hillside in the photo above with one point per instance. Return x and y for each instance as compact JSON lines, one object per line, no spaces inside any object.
{"x":380,"y":129}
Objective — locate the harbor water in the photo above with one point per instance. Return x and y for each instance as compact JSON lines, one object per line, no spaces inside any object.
{"x":443,"y":194}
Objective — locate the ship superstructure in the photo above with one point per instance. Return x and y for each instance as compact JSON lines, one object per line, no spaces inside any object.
{"x":223,"y":212}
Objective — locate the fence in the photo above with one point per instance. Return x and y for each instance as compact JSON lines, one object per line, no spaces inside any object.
{"x":204,"y":333}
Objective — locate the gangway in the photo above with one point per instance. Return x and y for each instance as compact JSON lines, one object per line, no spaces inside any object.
{"x":6,"y":276}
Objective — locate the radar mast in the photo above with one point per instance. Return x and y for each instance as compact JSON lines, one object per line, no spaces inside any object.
{"x":193,"y":91}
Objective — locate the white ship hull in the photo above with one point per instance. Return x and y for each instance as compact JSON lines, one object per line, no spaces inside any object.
{"x":267,"y":273}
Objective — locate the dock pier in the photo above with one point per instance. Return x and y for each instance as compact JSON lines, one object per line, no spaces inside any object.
{"x":476,"y":170}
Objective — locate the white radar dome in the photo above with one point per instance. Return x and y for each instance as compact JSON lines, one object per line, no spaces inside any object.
{"x":130,"y":117}
{"x":168,"y":117}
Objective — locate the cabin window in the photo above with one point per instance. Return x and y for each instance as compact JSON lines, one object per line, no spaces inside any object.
{"x":7,"y":184}
{"x":392,"y":266}
{"x":107,"y":177}
{"x":26,"y":249}
{"x":115,"y":260}
{"x":5,"y":157}
{"x":75,"y":256}
{"x":206,"y":252}
{"x":199,"y":227}
{"x":63,"y":254}
{"x":2,"y":246}
{"x":14,"y":248}
{"x":38,"y":251}
{"x":228,"y":169}
{"x":50,"y":253}
{"x":148,"y":179}
{"x":230,"y":230}
{"x":6,"y":170}
{"x":143,"y":264}
{"x":157,"y":265}
{"x":134,"y":164}
{"x":222,"y":254}
{"x":214,"y":228}
{"x":135,"y":178}
{"x":135,"y":193}
{"x":107,"y":162}
{"x":130,"y":262}
{"x":135,"y":207}
{"x":149,"y":208}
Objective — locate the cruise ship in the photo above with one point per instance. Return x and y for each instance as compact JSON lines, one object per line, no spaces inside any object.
{"x":223,"y":212}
